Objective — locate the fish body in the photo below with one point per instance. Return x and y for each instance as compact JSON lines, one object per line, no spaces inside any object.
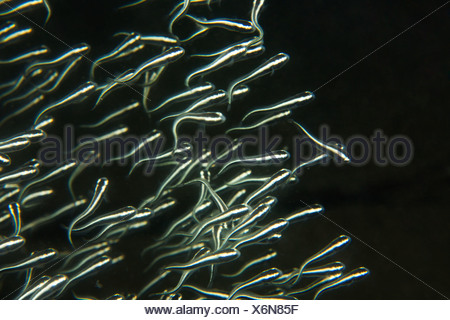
{"x":34,"y":260}
{"x":11,"y":244}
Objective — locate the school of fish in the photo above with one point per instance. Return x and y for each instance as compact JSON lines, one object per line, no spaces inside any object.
{"x":203,"y":225}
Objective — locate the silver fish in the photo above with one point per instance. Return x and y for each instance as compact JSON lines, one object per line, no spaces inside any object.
{"x":333,"y":247}
{"x":252,"y":52}
{"x":324,"y":270}
{"x":140,"y":220}
{"x":185,"y":95}
{"x":218,"y":201}
{"x":179,"y":14}
{"x":22,"y":79}
{"x":169,"y":154}
{"x":268,"y":201}
{"x":152,"y":137}
{"x":115,"y":133}
{"x":254,"y":216}
{"x":327,"y":147}
{"x":272,"y":183}
{"x":36,"y":88}
{"x":35,"y":198}
{"x":305,"y":213}
{"x":26,"y":6}
{"x":87,"y":259}
{"x":34,"y":135}
{"x":91,"y":157}
{"x":83,"y":251}
{"x":130,"y":51}
{"x":246,"y":42}
{"x":43,"y":123}
{"x":167,"y":204}
{"x":346,"y":279}
{"x":108,"y":218}
{"x":224,"y":157}
{"x":76,"y":96}
{"x":181,"y":220}
{"x":153,"y":282}
{"x":236,"y":197}
{"x":240,"y":91}
{"x":260,"y":279}
{"x":52,"y":288}
{"x":331,"y":277}
{"x":198,"y":162}
{"x":228,"y":215}
{"x":174,"y":253}
{"x":8,"y":26}
{"x":50,"y":176}
{"x":11,"y":244}
{"x":168,"y":56}
{"x":120,"y":229}
{"x":26,"y":107}
{"x":35,"y":287}
{"x":258,"y":180}
{"x":166,"y":183}
{"x":269,"y":158}
{"x":219,"y":257}
{"x":97,"y":198}
{"x":62,"y":75}
{"x":34,"y":260}
{"x":235,"y":25}
{"x":112,"y":115}
{"x":332,"y":268}
{"x":200,"y":31}
{"x":18,"y":175}
{"x":13,"y":145}
{"x":91,"y":269}
{"x":9,"y":38}
{"x":225,"y":59}
{"x":271,"y":229}
{"x":268,"y":67}
{"x":209,"y":118}
{"x":256,"y":10}
{"x":270,"y":255}
{"x":263,"y":121}
{"x":289,"y":103}
{"x":203,"y":252}
{"x":26,"y":55}
{"x":158,"y":40}
{"x":80,"y":49}
{"x":207,"y":101}
{"x":317,"y":159}
{"x":111,"y":86}
{"x":129,"y":41}
{"x":51,"y":217}
{"x":235,"y":180}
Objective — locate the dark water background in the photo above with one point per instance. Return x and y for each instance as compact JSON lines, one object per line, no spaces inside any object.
{"x":402,"y":89}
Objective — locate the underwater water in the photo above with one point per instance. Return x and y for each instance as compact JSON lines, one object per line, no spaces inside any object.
{"x":344,"y":195}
